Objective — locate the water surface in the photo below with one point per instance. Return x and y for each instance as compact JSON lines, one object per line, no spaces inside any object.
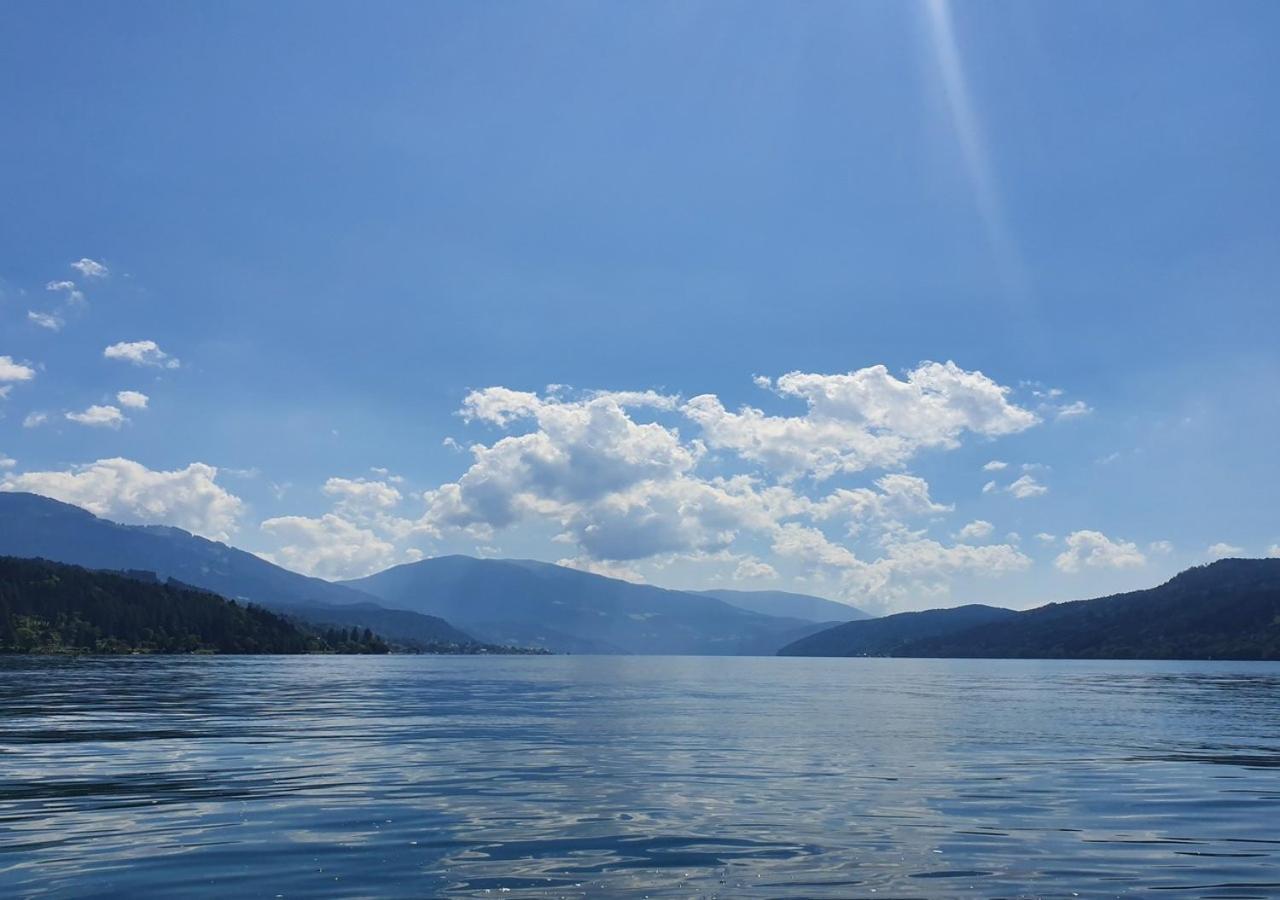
{"x":615,"y":776}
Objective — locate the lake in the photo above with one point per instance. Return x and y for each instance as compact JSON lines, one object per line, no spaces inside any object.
{"x":636,"y":776}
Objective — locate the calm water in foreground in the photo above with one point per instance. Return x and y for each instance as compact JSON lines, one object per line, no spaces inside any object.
{"x":591,"y":776}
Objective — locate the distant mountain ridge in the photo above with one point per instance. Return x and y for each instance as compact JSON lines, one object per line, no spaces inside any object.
{"x":1229,"y":609}
{"x":545,"y":603}
{"x":32,"y":525}
{"x":788,"y":605}
{"x":890,"y":635}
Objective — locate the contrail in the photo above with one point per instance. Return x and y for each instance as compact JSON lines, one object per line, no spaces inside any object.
{"x":969,"y":132}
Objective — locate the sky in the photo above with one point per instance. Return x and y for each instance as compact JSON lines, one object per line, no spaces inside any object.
{"x":903,"y":304}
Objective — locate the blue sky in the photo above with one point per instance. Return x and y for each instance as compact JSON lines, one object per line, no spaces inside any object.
{"x":342,"y":221}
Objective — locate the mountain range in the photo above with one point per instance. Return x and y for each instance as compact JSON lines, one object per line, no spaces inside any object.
{"x":538,"y":604}
{"x":1229,"y":609}
{"x":437,"y":601}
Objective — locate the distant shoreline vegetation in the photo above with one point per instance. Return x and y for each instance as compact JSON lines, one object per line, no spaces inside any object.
{"x":49,"y":608}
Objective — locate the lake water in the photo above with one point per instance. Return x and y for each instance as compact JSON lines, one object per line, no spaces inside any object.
{"x":659,"y":777}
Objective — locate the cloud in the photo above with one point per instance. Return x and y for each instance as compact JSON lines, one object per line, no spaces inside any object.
{"x":1222,"y":550}
{"x":15,"y":371}
{"x":614,"y":476}
{"x":7,"y":462}
{"x":127,"y":491}
{"x":995,"y":465}
{"x":599,"y":567}
{"x":361,"y":496}
{"x":1045,"y":537}
{"x":71,"y":295}
{"x":750,"y":568}
{"x":51,"y":321}
{"x":132,"y":399}
{"x":328,"y":547}
{"x":1095,"y":549}
{"x":90,"y":268}
{"x":141,"y":353}
{"x":1161,"y":547}
{"x":1026,"y":487}
{"x":1274,"y":551}
{"x":99,"y":417}
{"x":862,"y":419}
{"x":1073,"y":410}
{"x":35,"y":420}
{"x":975,"y":531}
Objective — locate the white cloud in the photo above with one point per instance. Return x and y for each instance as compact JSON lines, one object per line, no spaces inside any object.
{"x":1045,"y":537}
{"x":328,"y":547}
{"x":609,"y":473}
{"x":862,"y":419}
{"x":975,"y":530}
{"x":35,"y":420}
{"x":995,"y":465}
{"x":7,"y":462}
{"x":1274,"y":551}
{"x":141,"y":353}
{"x":11,"y":370}
{"x":1025,"y":487}
{"x":1161,"y":547}
{"x":750,"y":568}
{"x":1073,"y":410}
{"x":132,"y":399}
{"x":990,"y":487}
{"x":127,"y":491}
{"x":70,"y":293}
{"x":50,"y":321}
{"x":90,"y":268}
{"x":1095,"y":549}
{"x":99,"y":417}
{"x":600,"y":567}
{"x":1222,"y":550}
{"x":361,"y":496}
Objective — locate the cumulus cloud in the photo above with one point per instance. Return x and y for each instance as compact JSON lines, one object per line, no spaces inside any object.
{"x":51,"y":321}
{"x":975,"y":530}
{"x":90,"y":268}
{"x":7,"y":462}
{"x":750,"y":568}
{"x":99,"y":417}
{"x":1026,"y":487}
{"x":1222,"y":550}
{"x":362,"y":496}
{"x":141,"y":353}
{"x":863,"y":419}
{"x":614,"y":475}
{"x":1045,"y":537}
{"x":1274,"y":551}
{"x":132,"y":399}
{"x":35,"y":419}
{"x":1096,"y":550}
{"x":995,"y":465}
{"x":127,"y":491}
{"x":11,"y":371}
{"x":328,"y":547}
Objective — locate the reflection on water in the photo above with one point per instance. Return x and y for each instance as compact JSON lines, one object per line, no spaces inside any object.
{"x":586,"y":776}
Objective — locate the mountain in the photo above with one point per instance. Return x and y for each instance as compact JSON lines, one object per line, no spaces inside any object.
{"x":557,"y":608}
{"x":49,"y":607}
{"x":36,"y":526}
{"x":1229,"y":609}
{"x":888,"y":636}
{"x":788,"y":605}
